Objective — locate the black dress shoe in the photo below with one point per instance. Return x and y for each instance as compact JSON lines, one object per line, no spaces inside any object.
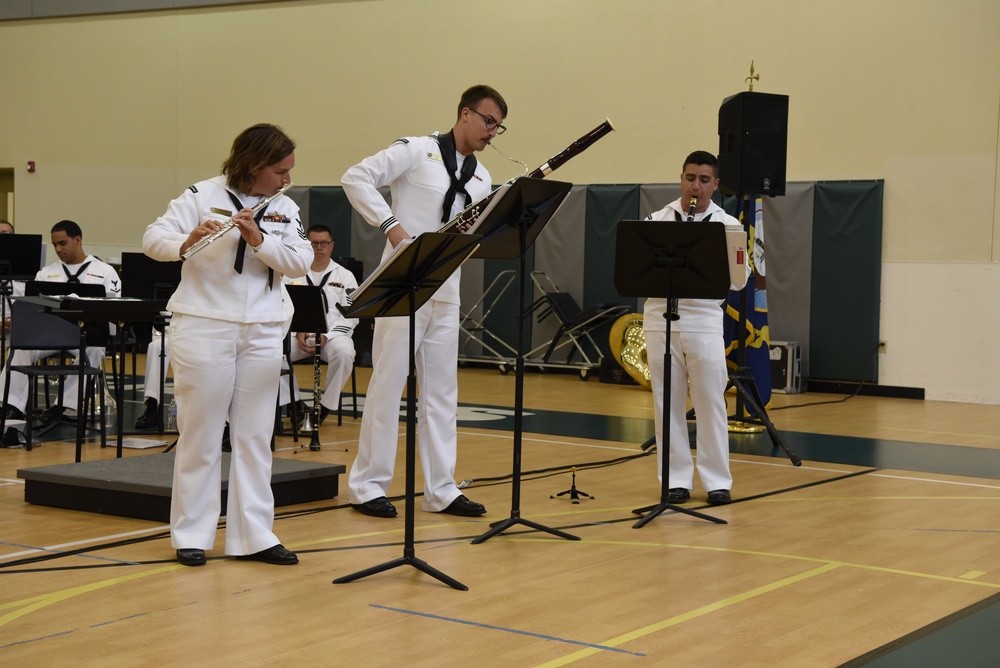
{"x":323,"y":412}
{"x":678,"y":495}
{"x":191,"y":557}
{"x":719,"y":497}
{"x":150,"y":417}
{"x":380,"y":507}
{"x":465,"y":508}
{"x":277,"y":555}
{"x":147,"y":421}
{"x":50,"y":415}
{"x":14,"y":413}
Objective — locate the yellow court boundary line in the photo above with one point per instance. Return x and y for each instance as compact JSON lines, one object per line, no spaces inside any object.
{"x":44,"y":600}
{"x":687,"y":616}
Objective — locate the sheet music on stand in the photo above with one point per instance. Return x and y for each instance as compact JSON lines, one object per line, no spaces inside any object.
{"x":501,"y":192}
{"x":382,"y":303}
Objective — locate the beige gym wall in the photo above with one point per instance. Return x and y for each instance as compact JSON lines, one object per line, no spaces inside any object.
{"x":121,"y":112}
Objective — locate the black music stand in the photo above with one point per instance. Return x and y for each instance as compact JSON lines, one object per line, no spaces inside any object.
{"x":151,"y":280}
{"x":398,"y":287}
{"x":310,"y":316}
{"x":509,"y":226}
{"x":671,"y":260}
{"x":84,"y":304}
{"x":20,"y":260}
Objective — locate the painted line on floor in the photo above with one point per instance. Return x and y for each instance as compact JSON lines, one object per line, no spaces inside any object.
{"x":29,"y":605}
{"x":63,"y":546}
{"x":693,"y":614}
{"x":591,"y":647}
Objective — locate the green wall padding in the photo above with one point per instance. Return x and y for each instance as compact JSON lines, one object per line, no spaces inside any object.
{"x":328,"y":205}
{"x":607,"y":205}
{"x":846,"y":281}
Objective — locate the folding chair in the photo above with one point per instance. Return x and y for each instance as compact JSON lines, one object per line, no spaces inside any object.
{"x":34,"y":329}
{"x":575,"y":325}
{"x":472,"y":325}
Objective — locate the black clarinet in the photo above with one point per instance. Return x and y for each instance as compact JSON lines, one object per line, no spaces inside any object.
{"x":314,"y":444}
{"x":694,"y":204}
{"x":468,"y":216}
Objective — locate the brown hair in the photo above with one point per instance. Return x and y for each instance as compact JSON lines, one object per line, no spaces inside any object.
{"x":477,"y":94}
{"x":254,"y":149}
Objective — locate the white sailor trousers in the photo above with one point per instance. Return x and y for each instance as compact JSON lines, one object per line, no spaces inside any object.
{"x":224,"y":371}
{"x":436,"y":360}
{"x":700,"y":356}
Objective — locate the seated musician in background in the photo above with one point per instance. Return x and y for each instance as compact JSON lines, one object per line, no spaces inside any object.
{"x":6,"y":228}
{"x":698,"y":351}
{"x":336,"y":344}
{"x":74,"y":266}
{"x":151,"y":390}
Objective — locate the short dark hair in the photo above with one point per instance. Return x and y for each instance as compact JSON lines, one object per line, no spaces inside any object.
{"x":69,"y":227}
{"x":254,"y":149}
{"x":702,"y":158}
{"x":477,"y":94}
{"x":319,"y":228}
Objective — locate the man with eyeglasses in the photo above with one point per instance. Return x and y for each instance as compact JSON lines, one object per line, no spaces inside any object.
{"x":431,"y":179}
{"x":336,"y":345}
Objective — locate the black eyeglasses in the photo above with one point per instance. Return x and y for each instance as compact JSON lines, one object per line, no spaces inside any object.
{"x":320,"y":244}
{"x":491,"y":122}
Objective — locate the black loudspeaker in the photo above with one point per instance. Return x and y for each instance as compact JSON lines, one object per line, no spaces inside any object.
{"x":753,"y":141}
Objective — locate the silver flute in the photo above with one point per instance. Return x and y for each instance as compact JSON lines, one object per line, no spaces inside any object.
{"x":231,"y":223}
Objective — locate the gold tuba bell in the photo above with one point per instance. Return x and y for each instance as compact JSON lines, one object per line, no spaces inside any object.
{"x":628,"y":345}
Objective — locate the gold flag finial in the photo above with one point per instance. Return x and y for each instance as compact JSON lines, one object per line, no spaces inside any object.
{"x":753,"y":77}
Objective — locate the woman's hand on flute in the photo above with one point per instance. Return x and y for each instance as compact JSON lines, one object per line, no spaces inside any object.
{"x":248,"y":227}
{"x":207,"y":228}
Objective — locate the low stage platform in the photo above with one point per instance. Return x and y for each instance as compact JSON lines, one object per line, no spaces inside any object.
{"x":139,"y":486}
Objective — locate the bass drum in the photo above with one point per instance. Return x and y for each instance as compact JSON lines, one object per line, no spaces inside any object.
{"x":628,"y":345}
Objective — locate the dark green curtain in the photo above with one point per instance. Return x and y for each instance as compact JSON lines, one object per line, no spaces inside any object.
{"x":328,"y":205}
{"x":607,"y":205}
{"x":846,"y":281}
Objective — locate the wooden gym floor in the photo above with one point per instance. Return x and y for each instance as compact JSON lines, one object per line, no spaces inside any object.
{"x":882,"y":549}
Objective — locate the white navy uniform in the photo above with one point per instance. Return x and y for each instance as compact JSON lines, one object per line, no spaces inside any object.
{"x":338,"y":352}
{"x":697,"y":350}
{"x":225,"y":346}
{"x":151,"y":385}
{"x":92,"y":271}
{"x":418,"y":180}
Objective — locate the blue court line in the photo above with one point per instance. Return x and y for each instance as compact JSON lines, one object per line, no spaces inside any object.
{"x":506,"y":630}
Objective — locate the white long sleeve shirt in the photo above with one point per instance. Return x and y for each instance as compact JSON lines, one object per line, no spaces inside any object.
{"x":413,"y":169}
{"x":210,"y":286}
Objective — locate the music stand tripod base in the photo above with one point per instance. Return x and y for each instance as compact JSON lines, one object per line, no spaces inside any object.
{"x":652,"y":512}
{"x":398,"y":287}
{"x":515,"y":219}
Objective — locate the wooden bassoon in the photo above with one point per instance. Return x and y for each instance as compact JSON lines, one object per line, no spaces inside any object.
{"x":468,"y":216}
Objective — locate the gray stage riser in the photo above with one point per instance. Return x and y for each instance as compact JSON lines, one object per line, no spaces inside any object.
{"x":156,"y":507}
